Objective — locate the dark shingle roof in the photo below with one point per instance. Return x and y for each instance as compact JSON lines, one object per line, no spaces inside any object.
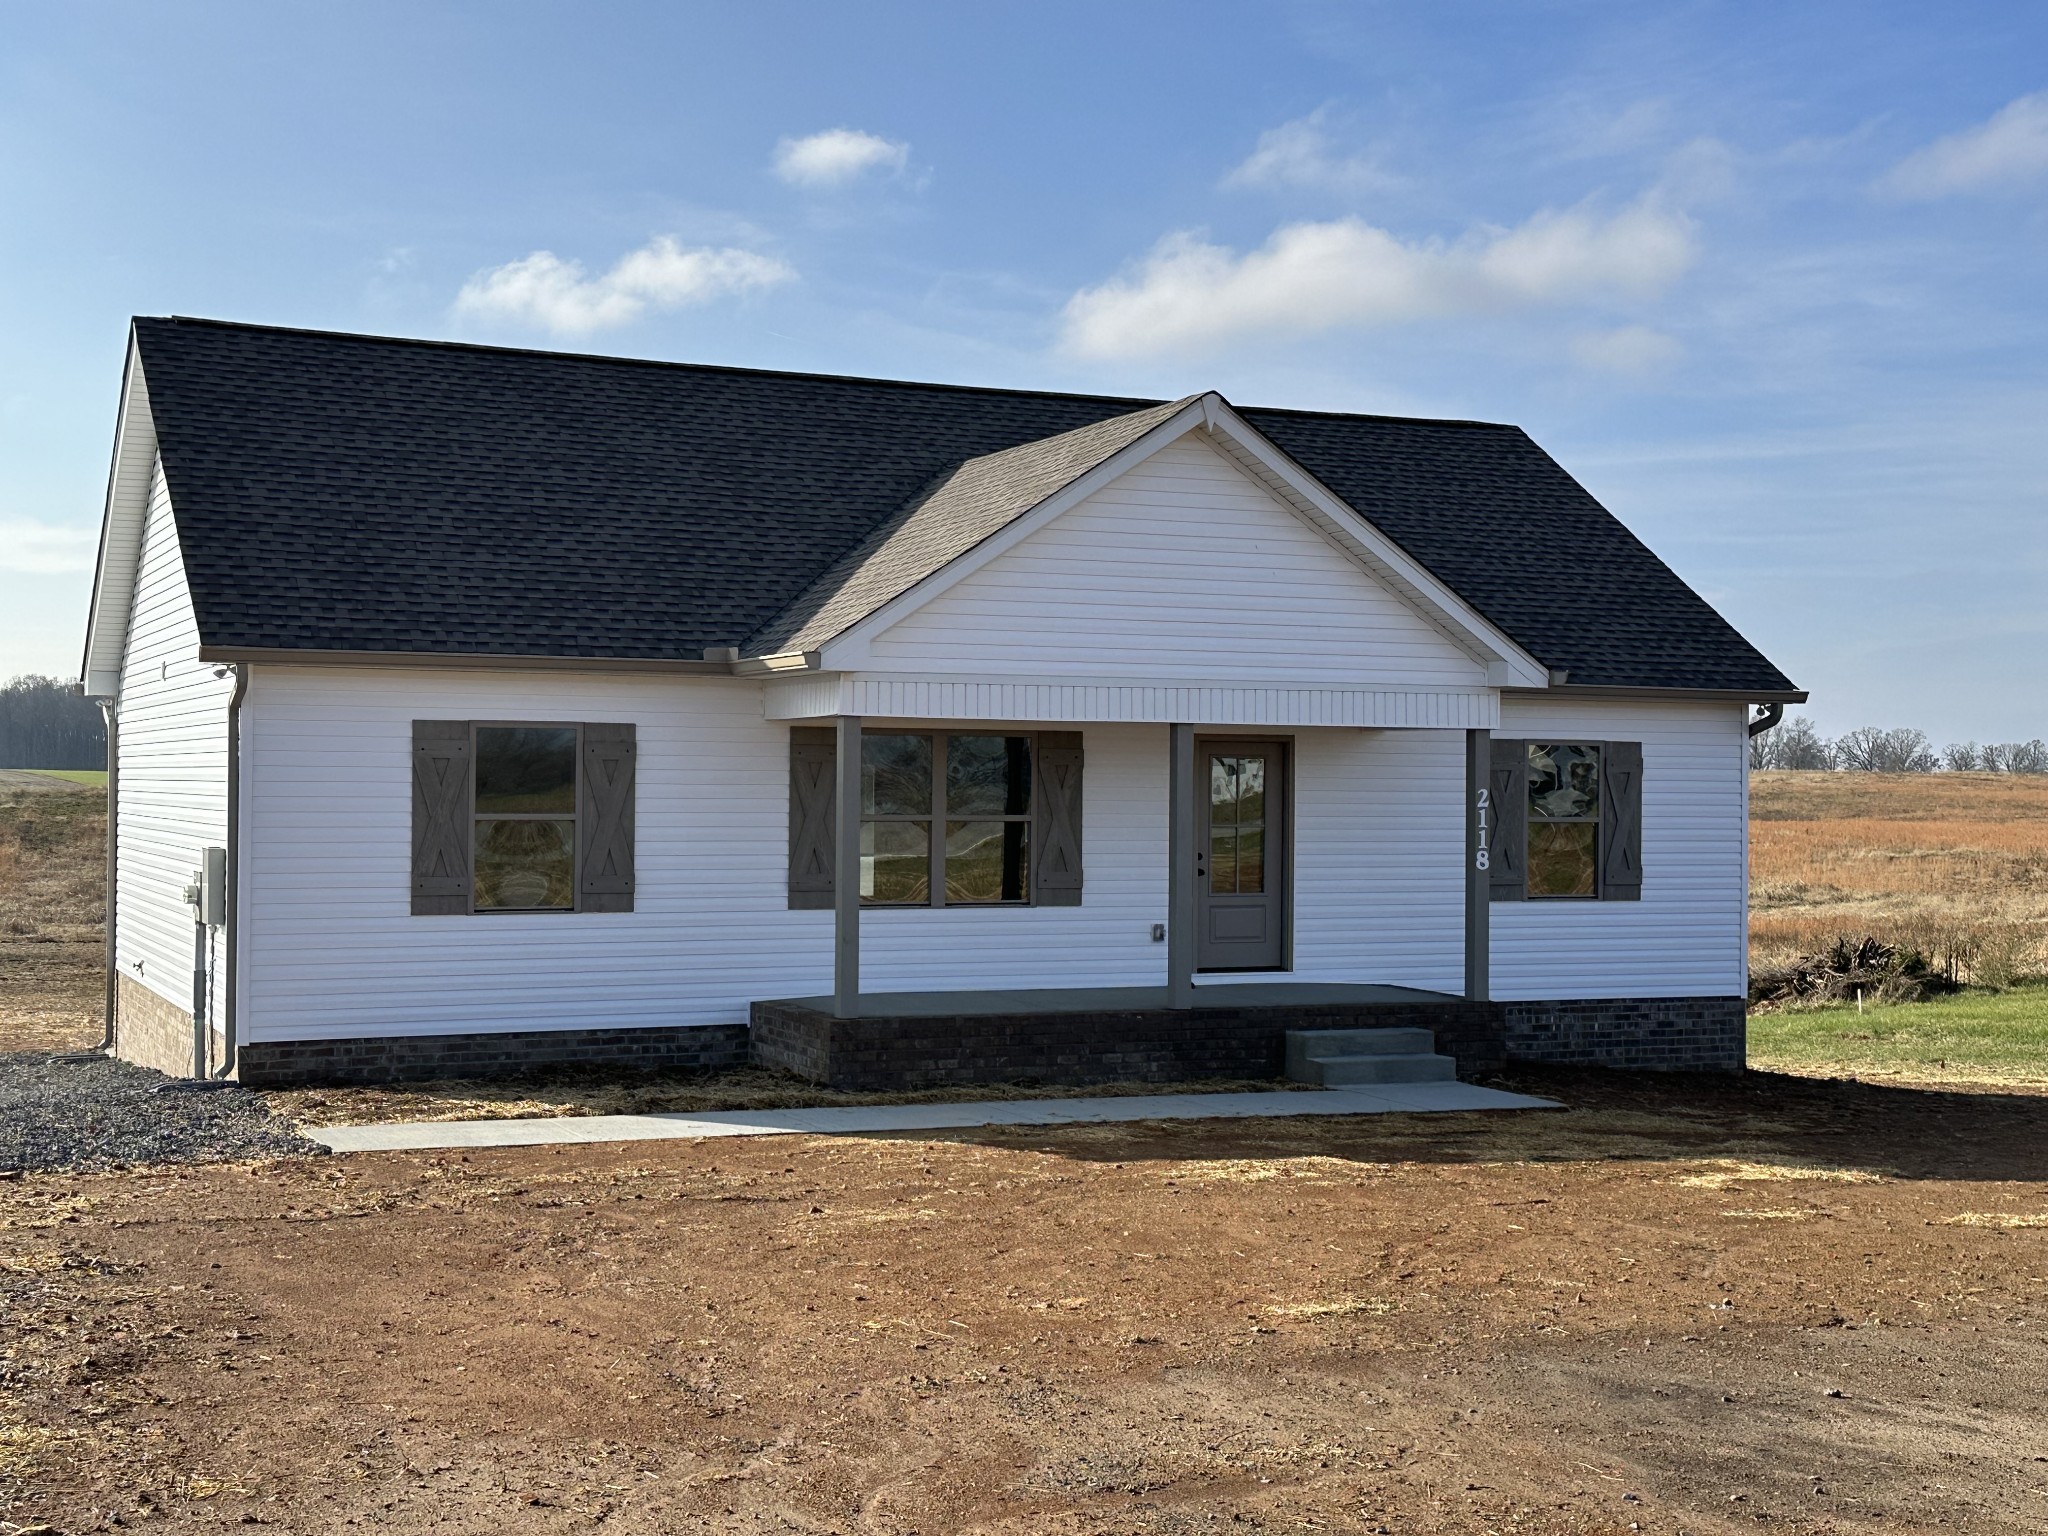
{"x":346,"y":493}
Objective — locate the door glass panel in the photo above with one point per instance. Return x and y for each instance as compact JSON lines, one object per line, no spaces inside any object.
{"x":1223,"y":861}
{"x":895,"y":775}
{"x":1251,"y":860}
{"x":988,"y":775}
{"x":1251,"y":789}
{"x":525,"y":865}
{"x":895,"y":862}
{"x":987,"y":861}
{"x":525,"y":768}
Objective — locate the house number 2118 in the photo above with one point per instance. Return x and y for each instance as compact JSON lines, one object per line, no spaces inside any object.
{"x":1481,"y":857}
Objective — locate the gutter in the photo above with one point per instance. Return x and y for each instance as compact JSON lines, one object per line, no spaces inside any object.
{"x":231,"y":906}
{"x":1765,"y":696}
{"x":1772,"y":714}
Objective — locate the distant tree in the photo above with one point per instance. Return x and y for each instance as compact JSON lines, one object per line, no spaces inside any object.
{"x":45,"y":724}
{"x":1962,"y":757}
{"x":1869,"y":749}
{"x":2017,"y":757}
{"x":1794,"y":744}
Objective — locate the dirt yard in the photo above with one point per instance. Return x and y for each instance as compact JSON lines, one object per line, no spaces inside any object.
{"x":1684,"y":1305}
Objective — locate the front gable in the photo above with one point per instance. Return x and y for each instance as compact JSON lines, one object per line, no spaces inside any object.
{"x":1182,"y":566}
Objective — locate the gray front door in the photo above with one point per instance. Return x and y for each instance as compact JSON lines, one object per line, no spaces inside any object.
{"x":1241,"y":876}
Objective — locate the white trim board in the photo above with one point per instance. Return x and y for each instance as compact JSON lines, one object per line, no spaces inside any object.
{"x":899,"y":697}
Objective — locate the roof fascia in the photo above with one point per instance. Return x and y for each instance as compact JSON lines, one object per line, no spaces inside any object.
{"x":1673,"y":695}
{"x":120,"y":551}
{"x":846,"y":650}
{"x":480,"y":661}
{"x":1356,"y":536}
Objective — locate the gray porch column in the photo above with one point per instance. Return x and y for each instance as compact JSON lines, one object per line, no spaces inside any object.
{"x":846,"y":870}
{"x":1180,"y":868}
{"x":1480,"y":820}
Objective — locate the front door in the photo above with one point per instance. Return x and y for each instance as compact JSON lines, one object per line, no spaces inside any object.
{"x":1241,"y":876}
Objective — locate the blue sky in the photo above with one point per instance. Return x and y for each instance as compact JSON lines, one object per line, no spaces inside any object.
{"x":1767,"y":278}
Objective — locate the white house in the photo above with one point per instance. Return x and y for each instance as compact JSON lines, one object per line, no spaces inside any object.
{"x":539,"y":704}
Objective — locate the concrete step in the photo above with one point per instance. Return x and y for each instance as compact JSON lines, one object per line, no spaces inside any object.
{"x":1350,"y":1071}
{"x":1307,"y":1045}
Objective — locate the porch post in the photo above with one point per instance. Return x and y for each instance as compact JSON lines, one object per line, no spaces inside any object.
{"x":1480,"y":820}
{"x":846,"y":870}
{"x":1180,"y":868}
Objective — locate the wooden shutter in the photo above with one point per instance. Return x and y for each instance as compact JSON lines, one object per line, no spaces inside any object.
{"x":1508,"y":778}
{"x":441,"y":822}
{"x":1056,"y":820}
{"x":604,"y":792}
{"x":1621,"y":821}
{"x":813,"y":762}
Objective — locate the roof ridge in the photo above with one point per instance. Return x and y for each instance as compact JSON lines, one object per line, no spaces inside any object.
{"x":1135,"y":402}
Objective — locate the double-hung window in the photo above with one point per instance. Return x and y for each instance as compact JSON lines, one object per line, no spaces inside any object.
{"x":525,"y":814}
{"x":1564,"y":819}
{"x":945,"y":819}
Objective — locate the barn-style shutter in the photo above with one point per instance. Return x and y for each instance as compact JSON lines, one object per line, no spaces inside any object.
{"x":813,"y":754}
{"x":1056,"y":820}
{"x":1508,"y":779}
{"x":1621,"y":821}
{"x":604,"y":877}
{"x":441,"y":820}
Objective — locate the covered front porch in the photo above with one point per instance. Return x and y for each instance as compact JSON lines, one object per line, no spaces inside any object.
{"x":1099,"y":1034}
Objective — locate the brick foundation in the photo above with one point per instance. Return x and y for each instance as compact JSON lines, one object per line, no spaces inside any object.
{"x":1137,"y":1045}
{"x":1657,"y":1034}
{"x":909,"y":1051}
{"x":150,"y":1031}
{"x":283,"y":1063}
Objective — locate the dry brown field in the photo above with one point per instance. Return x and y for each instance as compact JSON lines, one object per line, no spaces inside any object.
{"x":1954,"y":865}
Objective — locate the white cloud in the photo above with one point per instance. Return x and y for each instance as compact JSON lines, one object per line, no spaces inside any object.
{"x":544,"y":290}
{"x":1310,"y":278}
{"x":45,"y":549}
{"x":2011,"y":147}
{"x":1635,"y":350}
{"x":1300,"y":155}
{"x":836,"y":156}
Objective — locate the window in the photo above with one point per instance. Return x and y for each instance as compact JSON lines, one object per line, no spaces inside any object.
{"x":525,"y":810}
{"x":945,"y":819}
{"x":522,"y":817}
{"x":1564,"y":820}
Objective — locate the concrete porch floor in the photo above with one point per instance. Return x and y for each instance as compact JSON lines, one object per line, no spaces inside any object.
{"x":1208,"y":994}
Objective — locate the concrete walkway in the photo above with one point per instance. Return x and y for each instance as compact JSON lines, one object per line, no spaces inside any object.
{"x":872,"y":1119}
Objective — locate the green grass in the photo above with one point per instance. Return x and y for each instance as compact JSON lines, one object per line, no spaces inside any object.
{"x":1975,"y":1036}
{"x":95,"y":778}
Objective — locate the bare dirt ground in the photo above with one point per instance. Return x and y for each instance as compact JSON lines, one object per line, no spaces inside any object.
{"x":1685,"y":1305}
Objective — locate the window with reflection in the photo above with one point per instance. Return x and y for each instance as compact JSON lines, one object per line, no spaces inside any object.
{"x":525,"y":811}
{"x":945,"y":819}
{"x":1237,"y":824}
{"x":1564,"y":820}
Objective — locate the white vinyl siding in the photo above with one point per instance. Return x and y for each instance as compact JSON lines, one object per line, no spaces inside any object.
{"x":333,"y":950}
{"x":1181,"y":568}
{"x":173,"y":765}
{"x":1688,"y":936}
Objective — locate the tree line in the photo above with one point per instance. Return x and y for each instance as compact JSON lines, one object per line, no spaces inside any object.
{"x":45,"y":724}
{"x":1870,"y":749}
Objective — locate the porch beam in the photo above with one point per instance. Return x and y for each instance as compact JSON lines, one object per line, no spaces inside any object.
{"x":846,"y":870}
{"x":1480,"y":820}
{"x":1180,"y":867}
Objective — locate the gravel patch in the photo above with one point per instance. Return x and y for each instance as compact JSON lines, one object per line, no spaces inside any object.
{"x":59,"y":1112}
